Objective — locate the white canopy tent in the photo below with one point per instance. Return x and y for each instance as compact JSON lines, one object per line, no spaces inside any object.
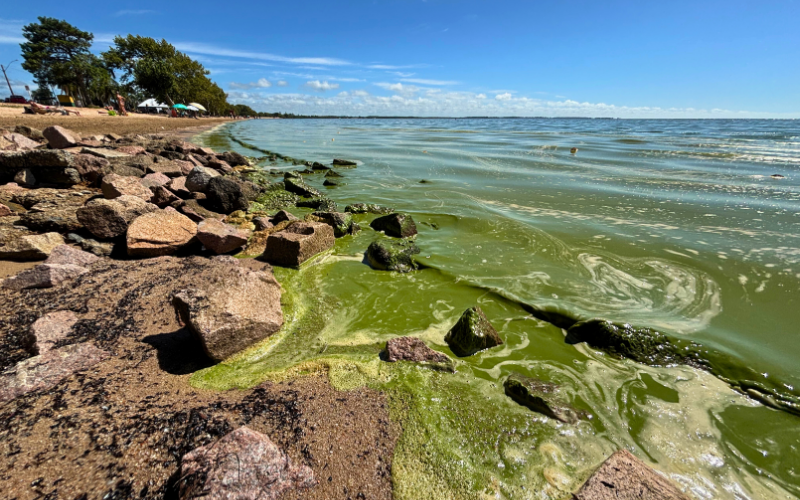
{"x":152,"y":103}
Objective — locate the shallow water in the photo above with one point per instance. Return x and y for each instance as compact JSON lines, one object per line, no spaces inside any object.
{"x":672,"y":224}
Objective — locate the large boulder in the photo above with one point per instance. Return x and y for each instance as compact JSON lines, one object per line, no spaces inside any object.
{"x":298,"y":242}
{"x":159,"y":233}
{"x":396,"y":225}
{"x":225,"y":195}
{"x":472,"y":333}
{"x":339,"y":221}
{"x":48,"y":330}
{"x":243,"y":465}
{"x":31,"y":247}
{"x":60,"y":138}
{"x":240,"y":308}
{"x":220,"y":237}
{"x":624,"y":477}
{"x":108,"y":219}
{"x":541,"y":397}
{"x":414,"y":350}
{"x":48,"y":369}
{"x":199,"y":177}
{"x":114,"y":186}
{"x":386,"y":255}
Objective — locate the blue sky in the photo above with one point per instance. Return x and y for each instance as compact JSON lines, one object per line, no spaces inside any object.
{"x":456,"y":58}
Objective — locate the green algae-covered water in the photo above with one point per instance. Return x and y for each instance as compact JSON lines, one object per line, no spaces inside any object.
{"x":670,"y":224}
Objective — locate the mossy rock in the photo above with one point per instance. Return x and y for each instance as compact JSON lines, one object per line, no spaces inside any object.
{"x":333,"y":173}
{"x":541,"y":397}
{"x":472,"y":333}
{"x":330,"y":183}
{"x":274,"y":198}
{"x":366,"y":208}
{"x":396,"y":225}
{"x":388,"y":255}
{"x":643,"y":345}
{"x":297,"y":186}
{"x":320,"y":203}
{"x":339,"y":221}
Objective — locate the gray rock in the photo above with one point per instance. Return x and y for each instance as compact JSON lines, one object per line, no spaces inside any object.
{"x":199,"y":177}
{"x":472,"y":333}
{"x":365,"y":208}
{"x":299,"y":187}
{"x":261,"y":223}
{"x":243,"y":465}
{"x":624,"y":477}
{"x":225,"y":195}
{"x":282,"y":216}
{"x":46,"y":370}
{"x":108,"y":154}
{"x":541,"y":397}
{"x":344,"y":163}
{"x":48,"y":330}
{"x":108,"y":219}
{"x":31,"y":133}
{"x":241,"y":309}
{"x":298,"y":243}
{"x":168,"y":168}
{"x":396,"y":225}
{"x":233,"y":158}
{"x":339,"y":221}
{"x":67,"y":255}
{"x":61,"y":220}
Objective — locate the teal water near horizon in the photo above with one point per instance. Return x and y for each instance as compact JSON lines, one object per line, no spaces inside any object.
{"x":678,"y":225}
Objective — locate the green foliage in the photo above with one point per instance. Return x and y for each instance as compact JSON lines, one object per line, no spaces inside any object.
{"x":244,"y":110}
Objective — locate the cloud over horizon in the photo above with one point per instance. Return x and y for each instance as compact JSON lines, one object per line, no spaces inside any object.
{"x":321,"y":86}
{"x":261,"y":83}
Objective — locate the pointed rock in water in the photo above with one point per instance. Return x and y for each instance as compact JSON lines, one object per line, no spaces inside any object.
{"x":243,"y":465}
{"x":414,"y":350}
{"x":472,"y":333}
{"x":396,"y":225}
{"x":624,"y":477}
{"x":541,"y":397}
{"x":240,"y":308}
{"x":298,"y":243}
{"x":344,"y":163}
{"x":387,"y":255}
{"x":220,"y":237}
{"x":339,"y":221}
{"x":283,"y":215}
{"x":365,"y":208}
{"x":319,"y":166}
{"x":333,"y":173}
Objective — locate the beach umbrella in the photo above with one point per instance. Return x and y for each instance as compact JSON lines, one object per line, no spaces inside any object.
{"x":179,"y":106}
{"x":198,"y":106}
{"x":191,"y":108}
{"x":149,"y":103}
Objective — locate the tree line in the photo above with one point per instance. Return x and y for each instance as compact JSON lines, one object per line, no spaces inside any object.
{"x":58,"y":54}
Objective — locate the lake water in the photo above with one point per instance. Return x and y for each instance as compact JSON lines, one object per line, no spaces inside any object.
{"x":676,"y":225}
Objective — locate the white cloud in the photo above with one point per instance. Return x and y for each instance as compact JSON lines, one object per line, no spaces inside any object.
{"x":282,"y":83}
{"x":203,"y":48}
{"x":360,"y":93}
{"x":261,"y":83}
{"x":480,"y":96}
{"x":321,"y":86}
{"x":503,"y":97}
{"x":423,"y":81}
{"x":11,"y":31}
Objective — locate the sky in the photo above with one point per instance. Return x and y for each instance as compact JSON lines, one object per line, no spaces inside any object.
{"x":626,"y":59}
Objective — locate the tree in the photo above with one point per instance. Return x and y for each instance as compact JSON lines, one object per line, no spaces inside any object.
{"x":56,"y":53}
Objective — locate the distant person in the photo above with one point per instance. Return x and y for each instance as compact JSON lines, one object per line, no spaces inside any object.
{"x":573,"y":150}
{"x":121,"y":104}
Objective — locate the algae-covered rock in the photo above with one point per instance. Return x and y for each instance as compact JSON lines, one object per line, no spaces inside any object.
{"x":639,"y":344}
{"x":321,"y":204}
{"x":330,"y":183}
{"x":473,"y":333}
{"x":275,"y":198}
{"x":297,"y":243}
{"x":541,"y":397}
{"x":333,"y":173}
{"x":396,"y":225}
{"x":344,"y":163}
{"x":387,"y":255}
{"x":297,"y":186}
{"x":366,"y":208}
{"x":339,"y":221}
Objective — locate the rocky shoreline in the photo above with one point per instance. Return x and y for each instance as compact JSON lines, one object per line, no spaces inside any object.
{"x":153,"y":261}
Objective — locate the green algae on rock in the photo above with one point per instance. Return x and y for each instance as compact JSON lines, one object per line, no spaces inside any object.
{"x":339,"y":221}
{"x":396,"y":225}
{"x":387,"y":255}
{"x":541,"y":397}
{"x":472,"y":333}
{"x":367,"y":208}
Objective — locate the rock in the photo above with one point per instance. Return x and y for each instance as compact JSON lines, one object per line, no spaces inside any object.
{"x":330,"y":182}
{"x":162,"y":197}
{"x":344,"y":163}
{"x":624,"y":477}
{"x":364,"y":208}
{"x":415,"y":350}
{"x":321,"y":204}
{"x":25,"y":178}
{"x":5,"y":211}
{"x":541,"y":397}
{"x":282,"y":216}
{"x":172,"y":155}
{"x":220,"y":237}
{"x":19,"y":142}
{"x":31,"y":247}
{"x":108,"y":154}
{"x":299,"y":187}
{"x":48,"y":369}
{"x":243,"y":465}
{"x":107,"y":219}
{"x":44,"y":276}
{"x":91,"y":167}
{"x":233,"y":158}
{"x":114,"y":186}
{"x":639,"y":344}
{"x":199,"y":177}
{"x":225,"y":195}
{"x":195,"y":211}
{"x":298,"y":243}
{"x":31,"y":133}
{"x":261,"y":223}
{"x":168,"y":168}
{"x":243,"y":307}
{"x":131,"y":150}
{"x":154,"y":180}
{"x":59,"y":137}
{"x":777,"y":176}
{"x":47,"y":330}
{"x":220,"y":165}
{"x":388,"y":255}
{"x":332,"y":173}
{"x":49,"y":166}
{"x":396,"y":225}
{"x":67,"y":255}
{"x":97,"y":248}
{"x":178,"y":186}
{"x":472,"y":333}
{"x":319,"y":166}
{"x":60,"y":219}
{"x":126,"y":170}
{"x":339,"y":221}
{"x":159,"y":233}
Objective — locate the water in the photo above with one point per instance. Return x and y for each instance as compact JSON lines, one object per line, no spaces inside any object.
{"x":673,"y":224}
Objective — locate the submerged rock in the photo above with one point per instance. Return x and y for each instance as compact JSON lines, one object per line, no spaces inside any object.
{"x":415,"y":350}
{"x":243,"y":465}
{"x":365,"y":208}
{"x":159,"y":233}
{"x":639,"y":344}
{"x":240,"y":308}
{"x":298,"y":242}
{"x":541,"y":397}
{"x":321,"y":204}
{"x":387,"y":255}
{"x":297,"y":186}
{"x":48,"y":369}
{"x":472,"y":333}
{"x":330,"y":182}
{"x":396,"y":225}
{"x":624,"y":477}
